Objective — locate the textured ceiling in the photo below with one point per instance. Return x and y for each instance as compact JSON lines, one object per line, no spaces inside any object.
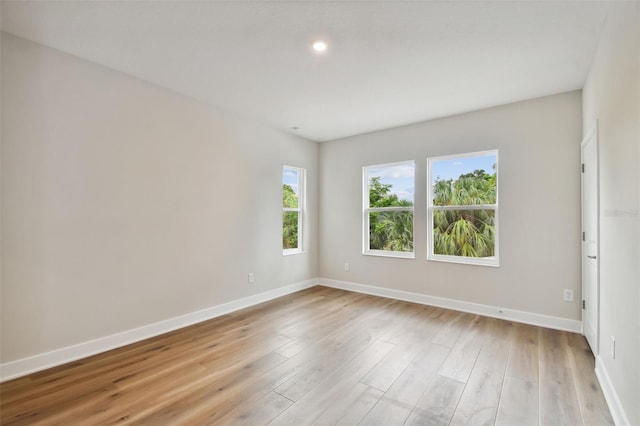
{"x":389,"y":63}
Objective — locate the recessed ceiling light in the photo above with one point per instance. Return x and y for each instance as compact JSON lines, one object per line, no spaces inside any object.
{"x":320,"y":46}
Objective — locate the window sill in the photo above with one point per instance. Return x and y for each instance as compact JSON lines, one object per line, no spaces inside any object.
{"x":396,"y":254}
{"x":488,"y":261}
{"x":291,"y":252}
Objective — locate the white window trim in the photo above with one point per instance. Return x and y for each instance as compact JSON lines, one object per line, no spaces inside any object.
{"x":486,"y":261}
{"x":302,"y":199}
{"x":366,"y":210}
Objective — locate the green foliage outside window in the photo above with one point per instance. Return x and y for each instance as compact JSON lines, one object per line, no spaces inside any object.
{"x":389,"y":231}
{"x":289,"y":197}
{"x":465,"y":232}
{"x":289,"y":218}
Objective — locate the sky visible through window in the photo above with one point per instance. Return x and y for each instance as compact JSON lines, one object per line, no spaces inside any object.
{"x":452,"y":168}
{"x":400,"y":176}
{"x":290,"y":177}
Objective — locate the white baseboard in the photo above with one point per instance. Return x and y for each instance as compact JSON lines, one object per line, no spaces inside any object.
{"x":458,"y":305}
{"x":610,"y":395}
{"x":24,"y":366}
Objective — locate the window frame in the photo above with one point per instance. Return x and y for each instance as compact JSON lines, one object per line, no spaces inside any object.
{"x":302,"y":183}
{"x":493,"y":261}
{"x":366,"y":210}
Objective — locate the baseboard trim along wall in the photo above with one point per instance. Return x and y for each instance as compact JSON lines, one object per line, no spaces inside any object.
{"x":22,"y":367}
{"x":459,"y":305}
{"x":610,"y":395}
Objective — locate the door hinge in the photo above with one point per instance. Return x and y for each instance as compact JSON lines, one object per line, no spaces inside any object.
{"x":584,"y":305}
{"x":582,"y":167}
{"x":583,"y":236}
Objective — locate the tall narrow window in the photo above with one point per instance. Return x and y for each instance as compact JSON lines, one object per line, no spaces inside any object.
{"x":462,"y":208}
{"x":293,"y":187}
{"x":388,"y":209}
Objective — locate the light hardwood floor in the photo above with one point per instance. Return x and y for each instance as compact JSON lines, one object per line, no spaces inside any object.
{"x":324,"y":356}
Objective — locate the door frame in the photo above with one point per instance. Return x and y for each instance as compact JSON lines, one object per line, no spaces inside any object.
{"x":591,"y":136}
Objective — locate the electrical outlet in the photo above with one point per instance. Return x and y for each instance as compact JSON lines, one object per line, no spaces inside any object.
{"x":347,"y":267}
{"x":567,"y":295}
{"x":252,"y":278}
{"x":613,"y":347}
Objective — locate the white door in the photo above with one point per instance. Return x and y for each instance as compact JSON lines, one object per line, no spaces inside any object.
{"x":590,"y":246}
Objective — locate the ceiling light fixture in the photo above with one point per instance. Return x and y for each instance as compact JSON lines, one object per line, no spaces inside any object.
{"x":320,"y":46}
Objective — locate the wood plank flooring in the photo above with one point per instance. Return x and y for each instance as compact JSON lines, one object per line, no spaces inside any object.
{"x":324,"y":357}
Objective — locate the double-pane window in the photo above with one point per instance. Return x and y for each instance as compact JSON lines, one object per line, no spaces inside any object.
{"x":462,"y":208}
{"x":293,"y":186}
{"x":388,"y":200}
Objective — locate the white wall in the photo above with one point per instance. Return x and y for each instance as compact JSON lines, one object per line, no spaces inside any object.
{"x":539,"y":184}
{"x":124,"y":204}
{"x":612,"y":96}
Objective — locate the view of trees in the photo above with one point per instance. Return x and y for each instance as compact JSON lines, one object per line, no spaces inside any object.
{"x":289,"y":218}
{"x":389,"y":230}
{"x":465,"y":232}
{"x":463,"y":209}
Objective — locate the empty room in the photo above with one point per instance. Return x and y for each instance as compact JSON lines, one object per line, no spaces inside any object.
{"x":320,"y":212}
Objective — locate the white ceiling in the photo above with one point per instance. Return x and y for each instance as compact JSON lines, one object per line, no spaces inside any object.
{"x":389,"y":63}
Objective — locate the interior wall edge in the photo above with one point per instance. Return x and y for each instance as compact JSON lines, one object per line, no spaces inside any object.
{"x":610,"y":394}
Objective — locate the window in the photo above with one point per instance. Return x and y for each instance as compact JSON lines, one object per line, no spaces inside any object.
{"x":462,"y":208}
{"x":388,"y":209}
{"x":293,"y":186}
